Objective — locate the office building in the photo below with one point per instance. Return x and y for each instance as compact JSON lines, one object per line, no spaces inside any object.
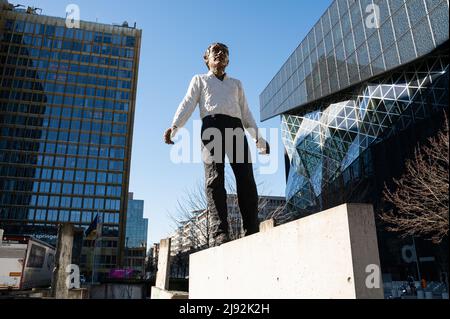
{"x":136,"y":235}
{"x":365,"y":86}
{"x":67,"y":103}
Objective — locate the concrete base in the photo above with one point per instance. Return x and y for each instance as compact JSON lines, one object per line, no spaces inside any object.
{"x":63,"y":258}
{"x":158,"y":293}
{"x":332,"y":254}
{"x":81,"y":293}
{"x":117,"y":291}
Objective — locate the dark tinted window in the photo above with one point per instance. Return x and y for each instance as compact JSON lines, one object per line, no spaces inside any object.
{"x":37,"y":256}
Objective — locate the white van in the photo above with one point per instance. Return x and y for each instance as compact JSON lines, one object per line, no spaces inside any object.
{"x":25,"y":263}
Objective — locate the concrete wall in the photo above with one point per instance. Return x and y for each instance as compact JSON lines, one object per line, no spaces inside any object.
{"x":158,"y":293}
{"x":117,"y":291}
{"x":162,"y":276}
{"x":320,"y":256}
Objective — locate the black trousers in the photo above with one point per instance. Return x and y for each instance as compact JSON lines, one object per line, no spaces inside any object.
{"x":222,"y":134}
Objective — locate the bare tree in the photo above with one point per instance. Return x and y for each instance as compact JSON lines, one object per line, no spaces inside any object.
{"x":192,"y":218}
{"x":193,"y":223}
{"x":279,"y":215}
{"x":192,"y":215}
{"x":421,"y":195}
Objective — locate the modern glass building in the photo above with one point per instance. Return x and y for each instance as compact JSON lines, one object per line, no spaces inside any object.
{"x":136,"y":236}
{"x":67,"y":100}
{"x":366,"y":85}
{"x":137,"y":225}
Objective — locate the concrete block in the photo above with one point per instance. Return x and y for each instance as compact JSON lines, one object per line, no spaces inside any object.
{"x":158,"y":293}
{"x":40,"y":293}
{"x":331,"y":254}
{"x":63,"y":258}
{"x":81,"y":293}
{"x":116,"y":291}
{"x":162,"y":276}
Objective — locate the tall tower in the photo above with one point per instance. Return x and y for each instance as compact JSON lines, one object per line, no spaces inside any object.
{"x":67,"y":104}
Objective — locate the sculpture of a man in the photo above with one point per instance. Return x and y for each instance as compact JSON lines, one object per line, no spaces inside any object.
{"x":225,"y":115}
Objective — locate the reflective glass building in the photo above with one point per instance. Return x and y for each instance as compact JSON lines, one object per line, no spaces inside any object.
{"x":137,"y":225}
{"x":136,"y":235}
{"x":67,"y":100}
{"x":367,"y":84}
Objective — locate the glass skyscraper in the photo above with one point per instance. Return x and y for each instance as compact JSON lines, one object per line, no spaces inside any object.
{"x":67,"y":101}
{"x":355,"y":99}
{"x":137,"y":225}
{"x":136,"y":236}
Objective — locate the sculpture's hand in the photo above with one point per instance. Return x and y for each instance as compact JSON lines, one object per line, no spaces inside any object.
{"x":167,"y":136}
{"x":263,"y":146}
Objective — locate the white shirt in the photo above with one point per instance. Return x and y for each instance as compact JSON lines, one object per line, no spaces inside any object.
{"x":216,"y":97}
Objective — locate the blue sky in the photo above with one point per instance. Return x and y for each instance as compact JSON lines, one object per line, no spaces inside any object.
{"x":261,"y":34}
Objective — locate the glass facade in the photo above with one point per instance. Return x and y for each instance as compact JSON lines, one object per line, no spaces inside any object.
{"x":136,"y":236}
{"x":137,"y":225}
{"x":67,"y":99}
{"x":329,"y":145}
{"x":355,"y":102}
{"x":344,"y":48}
{"x":348,"y":147}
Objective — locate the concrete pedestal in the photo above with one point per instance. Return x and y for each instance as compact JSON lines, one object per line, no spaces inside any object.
{"x":158,"y":293}
{"x":162,"y":276}
{"x":161,"y":290}
{"x":63,"y":258}
{"x":332,"y":254}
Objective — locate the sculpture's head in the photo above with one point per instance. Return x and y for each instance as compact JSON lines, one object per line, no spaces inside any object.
{"x":216,"y":57}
